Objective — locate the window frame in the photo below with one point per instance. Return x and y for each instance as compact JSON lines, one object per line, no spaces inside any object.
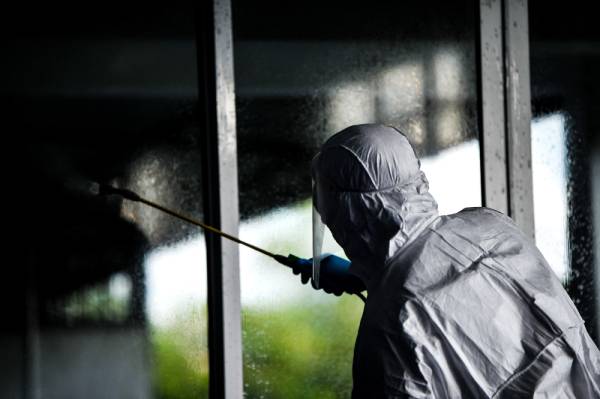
{"x":214,"y":43}
{"x":505,"y":110}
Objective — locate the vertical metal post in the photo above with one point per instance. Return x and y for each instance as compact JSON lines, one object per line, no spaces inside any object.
{"x":220,"y":195}
{"x":505,"y":109}
{"x":518,"y":114}
{"x":491,"y":106}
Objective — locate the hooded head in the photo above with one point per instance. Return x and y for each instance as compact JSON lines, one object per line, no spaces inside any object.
{"x":371,"y":193}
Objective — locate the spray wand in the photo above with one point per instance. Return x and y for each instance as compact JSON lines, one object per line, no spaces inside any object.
{"x":103,"y":189}
{"x":289,"y":261}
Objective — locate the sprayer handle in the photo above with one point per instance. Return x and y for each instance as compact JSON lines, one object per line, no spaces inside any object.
{"x":298,"y":265}
{"x":293,"y":261}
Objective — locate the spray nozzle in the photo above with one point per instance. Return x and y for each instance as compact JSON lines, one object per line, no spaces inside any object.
{"x":105,"y":189}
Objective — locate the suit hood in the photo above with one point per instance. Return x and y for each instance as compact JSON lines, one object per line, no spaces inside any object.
{"x":371,"y":193}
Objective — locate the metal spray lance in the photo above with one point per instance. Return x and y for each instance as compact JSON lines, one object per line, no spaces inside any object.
{"x":103,"y":189}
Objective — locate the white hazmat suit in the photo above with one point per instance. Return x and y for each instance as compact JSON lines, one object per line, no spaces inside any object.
{"x":459,"y":306}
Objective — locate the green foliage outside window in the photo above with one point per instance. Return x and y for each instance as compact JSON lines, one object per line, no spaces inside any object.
{"x":291,"y":351}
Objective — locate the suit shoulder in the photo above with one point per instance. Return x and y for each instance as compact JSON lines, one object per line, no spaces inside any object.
{"x":484,"y":213}
{"x":479,"y":220}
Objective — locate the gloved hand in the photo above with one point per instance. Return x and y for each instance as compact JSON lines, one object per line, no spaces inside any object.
{"x":334,"y":277}
{"x":303,"y":267}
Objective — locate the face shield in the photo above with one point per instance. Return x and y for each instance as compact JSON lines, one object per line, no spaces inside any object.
{"x":322,"y":239}
{"x":318,"y":232}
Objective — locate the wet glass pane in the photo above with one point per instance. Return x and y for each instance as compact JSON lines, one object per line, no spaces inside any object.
{"x":549,"y":163}
{"x":565,"y":58}
{"x":303,"y":72}
{"x":109,"y":295}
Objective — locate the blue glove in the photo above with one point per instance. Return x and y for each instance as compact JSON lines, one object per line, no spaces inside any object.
{"x":301,"y":266}
{"x":335,"y":277}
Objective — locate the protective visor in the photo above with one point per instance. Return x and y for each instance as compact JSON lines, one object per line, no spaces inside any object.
{"x":318,"y":231}
{"x":322,"y":239}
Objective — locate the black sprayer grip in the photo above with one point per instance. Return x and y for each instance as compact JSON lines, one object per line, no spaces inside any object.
{"x":284,"y":260}
{"x":289,"y":261}
{"x":127,"y":194}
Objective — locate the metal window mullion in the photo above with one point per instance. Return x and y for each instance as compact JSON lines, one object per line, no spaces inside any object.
{"x":220,"y":195}
{"x":491,"y":106}
{"x":518,"y":114}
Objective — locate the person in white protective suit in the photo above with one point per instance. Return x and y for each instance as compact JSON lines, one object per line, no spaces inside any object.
{"x":459,"y":306}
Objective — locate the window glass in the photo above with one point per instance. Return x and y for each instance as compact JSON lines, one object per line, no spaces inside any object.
{"x":550,"y":190}
{"x":565,"y":55}
{"x":109,"y":296}
{"x":303,"y":72}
